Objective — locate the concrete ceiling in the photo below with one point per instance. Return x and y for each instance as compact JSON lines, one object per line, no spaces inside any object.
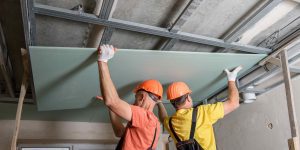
{"x":212,"y":18}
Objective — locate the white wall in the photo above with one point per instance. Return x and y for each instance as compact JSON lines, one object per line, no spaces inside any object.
{"x":63,"y":132}
{"x":248,"y":127}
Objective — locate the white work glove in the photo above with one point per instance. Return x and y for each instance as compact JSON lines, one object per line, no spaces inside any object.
{"x":232,"y":75}
{"x":105,"y":52}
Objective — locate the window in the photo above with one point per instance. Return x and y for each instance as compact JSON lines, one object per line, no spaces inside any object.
{"x":72,"y":146}
{"x":45,"y":148}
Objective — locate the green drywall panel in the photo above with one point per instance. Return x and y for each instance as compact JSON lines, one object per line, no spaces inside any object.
{"x":67,"y":78}
{"x":96,"y":112}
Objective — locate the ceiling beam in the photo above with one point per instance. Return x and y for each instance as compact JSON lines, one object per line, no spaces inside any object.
{"x":28,"y":22}
{"x":244,"y":25}
{"x":142,"y":28}
{"x":284,"y":40}
{"x":3,"y":65}
{"x":106,"y":36}
{"x":269,"y":73}
{"x":188,"y":11}
{"x":106,"y":8}
{"x":273,"y":86}
{"x":295,"y":69}
{"x":28,"y":18}
{"x":105,"y":12}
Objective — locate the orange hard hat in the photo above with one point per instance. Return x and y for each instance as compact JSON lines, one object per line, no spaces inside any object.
{"x":177,"y":89}
{"x":152,"y":86}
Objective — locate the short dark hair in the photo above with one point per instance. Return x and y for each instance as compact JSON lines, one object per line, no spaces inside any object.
{"x":179,"y":101}
{"x":151,"y":95}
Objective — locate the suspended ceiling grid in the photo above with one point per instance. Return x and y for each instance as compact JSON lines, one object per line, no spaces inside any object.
{"x":60,"y":32}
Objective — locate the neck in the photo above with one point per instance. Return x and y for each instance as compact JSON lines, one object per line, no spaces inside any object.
{"x":184,"y":107}
{"x":148,"y":106}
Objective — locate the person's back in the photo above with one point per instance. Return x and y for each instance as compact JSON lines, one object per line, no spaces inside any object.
{"x":204,"y":134}
{"x":143,"y":130}
{"x":178,"y":93}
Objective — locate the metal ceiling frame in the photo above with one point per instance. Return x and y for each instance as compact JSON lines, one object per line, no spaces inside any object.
{"x":29,"y":27}
{"x":105,"y":11}
{"x":29,"y":9}
{"x":260,"y":77}
{"x":295,"y":69}
{"x":142,"y":28}
{"x":242,"y":26}
{"x":5,"y":69}
{"x":281,"y":42}
{"x":187,"y":12}
{"x":289,"y":37}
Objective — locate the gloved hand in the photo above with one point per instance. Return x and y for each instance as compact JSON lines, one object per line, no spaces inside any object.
{"x":105,"y":52}
{"x":232,"y":75}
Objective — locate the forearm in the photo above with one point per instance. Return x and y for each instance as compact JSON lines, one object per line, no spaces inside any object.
{"x":110,"y":95}
{"x":162,"y":113}
{"x":108,"y":89}
{"x":232,"y":102}
{"x":233,"y":94}
{"x":117,"y":125}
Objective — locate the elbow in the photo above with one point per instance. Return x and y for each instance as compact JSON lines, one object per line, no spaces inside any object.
{"x":236,"y":105}
{"x":110,"y":102}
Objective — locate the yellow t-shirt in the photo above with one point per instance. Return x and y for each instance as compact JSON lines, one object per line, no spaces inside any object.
{"x":204,"y":132}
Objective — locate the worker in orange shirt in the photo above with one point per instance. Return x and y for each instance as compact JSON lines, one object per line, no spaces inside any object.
{"x":192,"y":128}
{"x":143,"y":128}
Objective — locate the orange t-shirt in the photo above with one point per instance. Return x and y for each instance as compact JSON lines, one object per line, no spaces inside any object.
{"x":140,"y":131}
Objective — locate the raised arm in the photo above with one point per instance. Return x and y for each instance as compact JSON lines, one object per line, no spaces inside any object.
{"x":108,"y":90}
{"x":162,"y":113}
{"x":117,"y":125}
{"x":232,"y":102}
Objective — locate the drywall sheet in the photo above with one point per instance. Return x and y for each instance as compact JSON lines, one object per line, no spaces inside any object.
{"x":95,"y":112}
{"x":67,"y":78}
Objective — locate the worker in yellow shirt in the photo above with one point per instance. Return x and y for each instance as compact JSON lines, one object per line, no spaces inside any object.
{"x":199,"y":134}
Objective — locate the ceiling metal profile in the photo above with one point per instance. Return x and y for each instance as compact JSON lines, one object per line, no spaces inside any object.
{"x":29,"y":10}
{"x":4,"y":67}
{"x":147,"y":29}
{"x":105,"y":11}
{"x":244,"y":25}
{"x":27,"y":23}
{"x":294,"y":33}
{"x":179,"y":22}
{"x":295,"y":69}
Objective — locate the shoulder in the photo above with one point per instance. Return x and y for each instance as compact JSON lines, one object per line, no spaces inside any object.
{"x":217,"y":105}
{"x":143,"y":112}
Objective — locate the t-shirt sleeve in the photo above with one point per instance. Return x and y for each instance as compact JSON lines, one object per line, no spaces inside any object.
{"x":138,"y":116}
{"x":214,"y":112}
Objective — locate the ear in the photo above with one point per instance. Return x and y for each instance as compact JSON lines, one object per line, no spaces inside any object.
{"x":141,"y":96}
{"x":189,"y":99}
{"x":144,"y":96}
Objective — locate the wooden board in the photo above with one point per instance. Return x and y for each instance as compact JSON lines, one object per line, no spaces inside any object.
{"x":67,"y":78}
